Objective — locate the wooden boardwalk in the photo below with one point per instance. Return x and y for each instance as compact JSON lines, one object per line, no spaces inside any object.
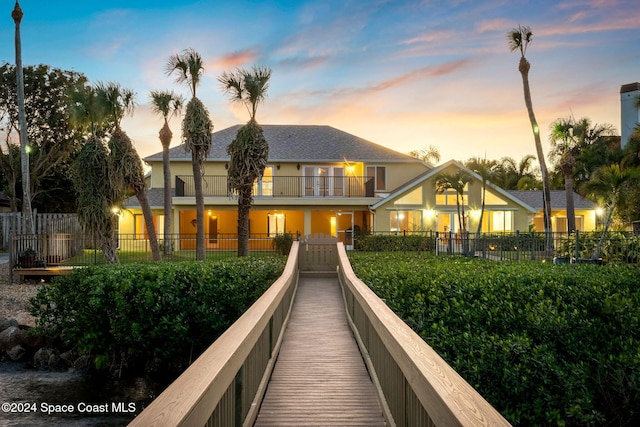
{"x":319,"y":378}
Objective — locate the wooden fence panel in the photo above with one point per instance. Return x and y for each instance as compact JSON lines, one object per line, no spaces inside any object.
{"x":318,"y":252}
{"x":11,"y":223}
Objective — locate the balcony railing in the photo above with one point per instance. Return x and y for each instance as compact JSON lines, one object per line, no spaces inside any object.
{"x":284,"y":186}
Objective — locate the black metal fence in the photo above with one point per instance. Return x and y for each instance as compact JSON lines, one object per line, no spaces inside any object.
{"x":55,"y":249}
{"x":557,"y":247}
{"x":50,"y":250}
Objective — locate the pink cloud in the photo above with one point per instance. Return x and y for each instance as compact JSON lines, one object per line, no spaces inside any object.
{"x":494,"y":25}
{"x":431,"y":37}
{"x":234,"y":59}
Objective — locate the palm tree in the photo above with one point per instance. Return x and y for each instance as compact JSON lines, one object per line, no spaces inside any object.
{"x":609,"y":184}
{"x":429,"y":154}
{"x":249,"y":150}
{"x":125,"y":164}
{"x":27,"y":215}
{"x":511,"y":175}
{"x":168,"y":104}
{"x":569,"y":138}
{"x":456,"y":181}
{"x":196,"y":130}
{"x":91,"y":174}
{"x":485,"y":168}
{"x":519,"y":39}
{"x":564,"y":146}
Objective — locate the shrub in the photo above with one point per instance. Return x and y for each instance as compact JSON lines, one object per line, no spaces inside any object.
{"x":282,"y":243}
{"x":544,"y":344}
{"x":393,"y":243}
{"x":128,"y":315}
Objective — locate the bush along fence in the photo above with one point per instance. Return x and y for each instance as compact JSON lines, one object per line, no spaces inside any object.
{"x":619,"y":247}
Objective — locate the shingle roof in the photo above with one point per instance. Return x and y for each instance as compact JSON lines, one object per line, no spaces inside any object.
{"x":300,"y":143}
{"x":155,"y":196}
{"x":558,"y":199}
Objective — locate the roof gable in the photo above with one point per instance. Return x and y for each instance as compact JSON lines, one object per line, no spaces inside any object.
{"x":433,"y":172}
{"x":297,"y":143}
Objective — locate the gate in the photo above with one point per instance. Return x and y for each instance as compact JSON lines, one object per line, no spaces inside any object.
{"x":318,"y":252}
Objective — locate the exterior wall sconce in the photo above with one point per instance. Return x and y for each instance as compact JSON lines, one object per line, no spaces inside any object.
{"x":226,"y":166}
{"x":278,"y":166}
{"x":298,"y":166}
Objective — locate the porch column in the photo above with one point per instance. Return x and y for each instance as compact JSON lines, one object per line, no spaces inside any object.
{"x":307,"y":222}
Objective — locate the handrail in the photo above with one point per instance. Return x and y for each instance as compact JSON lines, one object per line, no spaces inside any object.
{"x":417,"y":385}
{"x":225,"y":385}
{"x":318,"y":186}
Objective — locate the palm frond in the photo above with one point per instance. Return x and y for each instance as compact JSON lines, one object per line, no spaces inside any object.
{"x":519,"y":39}
{"x":190,"y":68}
{"x":167,"y":103}
{"x":247,"y":87}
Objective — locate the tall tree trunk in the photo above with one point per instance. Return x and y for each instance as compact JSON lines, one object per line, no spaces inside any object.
{"x":110,"y":242}
{"x":24,"y":143}
{"x":603,"y":238}
{"x":141,"y":195}
{"x":571,"y":213}
{"x":197,"y":181}
{"x":479,"y":229}
{"x":244,"y":207}
{"x":524,"y":67}
{"x":165,"y":139}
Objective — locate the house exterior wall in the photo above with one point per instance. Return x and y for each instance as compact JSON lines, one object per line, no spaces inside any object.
{"x":420,"y":208}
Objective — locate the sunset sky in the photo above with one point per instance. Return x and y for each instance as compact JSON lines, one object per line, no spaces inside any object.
{"x":403,"y":74}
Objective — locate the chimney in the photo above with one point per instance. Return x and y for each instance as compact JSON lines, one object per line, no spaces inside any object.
{"x":629,"y":111}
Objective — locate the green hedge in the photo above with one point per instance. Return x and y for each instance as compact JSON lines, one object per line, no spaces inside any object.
{"x":166,"y":313}
{"x":393,"y":243}
{"x":546,"y":345}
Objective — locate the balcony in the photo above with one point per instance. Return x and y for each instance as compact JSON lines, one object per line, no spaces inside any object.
{"x":284,"y":186}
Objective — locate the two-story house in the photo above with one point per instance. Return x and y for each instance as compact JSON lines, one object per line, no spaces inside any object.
{"x":322,"y":180}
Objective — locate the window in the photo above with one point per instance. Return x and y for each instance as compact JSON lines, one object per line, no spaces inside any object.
{"x":449,"y":195}
{"x":410,"y":220}
{"x":379,"y":175}
{"x":264,"y":186}
{"x":275,"y":224}
{"x":492,"y":199}
{"x":412,"y":198}
{"x":140,"y":229}
{"x":448,"y":198}
{"x":323,"y":181}
{"x":501,"y":221}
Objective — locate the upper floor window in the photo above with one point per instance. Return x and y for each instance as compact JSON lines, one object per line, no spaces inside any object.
{"x":379,"y":175}
{"x":264,"y":186}
{"x":324,"y":181}
{"x":448,"y":197}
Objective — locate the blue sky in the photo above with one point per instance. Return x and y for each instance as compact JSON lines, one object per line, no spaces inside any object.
{"x":403,"y":74}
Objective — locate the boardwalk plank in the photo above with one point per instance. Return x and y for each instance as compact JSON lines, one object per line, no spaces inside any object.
{"x":319,"y":377}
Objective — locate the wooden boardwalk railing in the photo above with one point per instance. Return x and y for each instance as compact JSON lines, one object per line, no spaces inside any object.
{"x":226,"y":385}
{"x":418,"y":387}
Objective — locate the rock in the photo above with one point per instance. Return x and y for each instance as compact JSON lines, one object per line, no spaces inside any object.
{"x":7,"y":323}
{"x":17,"y":353}
{"x":69,"y":357}
{"x":82,"y":362}
{"x":48,"y":357}
{"x":10,"y":337}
